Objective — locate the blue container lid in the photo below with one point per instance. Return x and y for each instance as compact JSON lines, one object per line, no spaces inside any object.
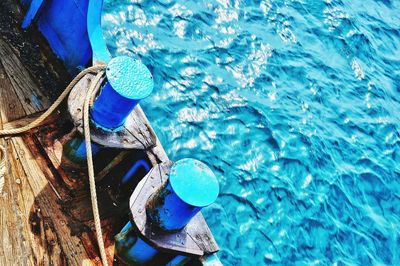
{"x":194,"y":182}
{"x":129,"y":77}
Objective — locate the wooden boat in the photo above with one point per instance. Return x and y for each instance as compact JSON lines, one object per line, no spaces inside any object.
{"x":46,"y":216}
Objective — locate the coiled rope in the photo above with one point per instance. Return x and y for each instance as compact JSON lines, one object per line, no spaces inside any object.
{"x":94,"y":87}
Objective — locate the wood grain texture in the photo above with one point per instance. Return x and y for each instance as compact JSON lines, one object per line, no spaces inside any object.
{"x":14,"y":247}
{"x":23,"y":85}
{"x":10,"y":107}
{"x":33,"y":228}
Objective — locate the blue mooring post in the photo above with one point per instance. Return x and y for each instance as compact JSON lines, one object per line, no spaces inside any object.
{"x":190,"y":187}
{"x":128,"y":82}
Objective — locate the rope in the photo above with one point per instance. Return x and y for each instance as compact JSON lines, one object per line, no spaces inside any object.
{"x":86,"y":128}
{"x":94,"y":87}
{"x":2,"y":166}
{"x":64,"y":94}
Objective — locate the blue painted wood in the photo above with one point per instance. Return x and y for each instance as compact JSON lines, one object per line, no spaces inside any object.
{"x":25,"y":2}
{"x":191,"y":186}
{"x":131,"y":172}
{"x":75,"y":150}
{"x":64,"y":25}
{"x":177,"y":261}
{"x":32,"y":12}
{"x":128,"y":81}
{"x":72,"y":28}
{"x":99,"y":46}
{"x":131,"y":248}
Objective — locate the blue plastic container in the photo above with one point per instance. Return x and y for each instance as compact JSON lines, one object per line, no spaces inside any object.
{"x":190,"y":187}
{"x":128,"y":82}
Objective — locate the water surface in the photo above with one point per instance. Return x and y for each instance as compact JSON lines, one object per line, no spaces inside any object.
{"x":294,"y":105}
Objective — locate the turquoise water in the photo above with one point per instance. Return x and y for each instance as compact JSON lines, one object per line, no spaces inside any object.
{"x":294,"y":104}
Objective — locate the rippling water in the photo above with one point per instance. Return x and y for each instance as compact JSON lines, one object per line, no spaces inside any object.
{"x":294,"y":104}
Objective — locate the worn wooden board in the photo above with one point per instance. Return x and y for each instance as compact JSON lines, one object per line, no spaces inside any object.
{"x":11,"y":108}
{"x":47,"y":200}
{"x":23,"y":86}
{"x":37,"y":207}
{"x":17,"y":243}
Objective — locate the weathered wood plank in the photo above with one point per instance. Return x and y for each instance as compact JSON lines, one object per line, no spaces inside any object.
{"x":20,"y":122}
{"x":76,"y":208}
{"x":12,"y":247}
{"x":10,"y":107}
{"x":24,"y":199}
{"x":26,"y":248}
{"x":32,"y":49}
{"x":24,"y":86}
{"x":14,"y":250}
{"x":34,"y":227}
{"x":56,"y":223}
{"x":157,"y":153}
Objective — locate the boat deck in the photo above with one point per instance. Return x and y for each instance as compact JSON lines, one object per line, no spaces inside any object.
{"x":35,"y":227}
{"x":46,"y":215}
